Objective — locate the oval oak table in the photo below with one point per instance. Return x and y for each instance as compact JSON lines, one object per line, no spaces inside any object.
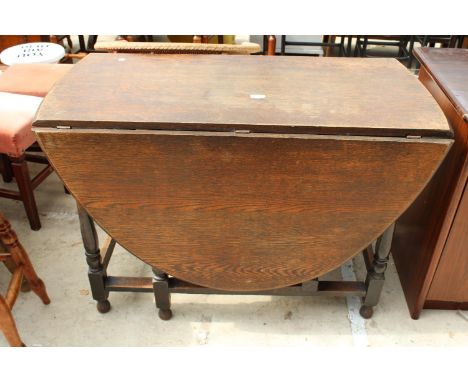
{"x":241,"y":174}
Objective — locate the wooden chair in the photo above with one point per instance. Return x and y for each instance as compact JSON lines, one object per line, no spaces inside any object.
{"x":123,"y":46}
{"x":328,"y":44}
{"x":16,"y":259}
{"x":22,"y":87}
{"x":16,"y":115}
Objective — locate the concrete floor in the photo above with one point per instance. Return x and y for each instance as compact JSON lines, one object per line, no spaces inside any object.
{"x":72,"y":320}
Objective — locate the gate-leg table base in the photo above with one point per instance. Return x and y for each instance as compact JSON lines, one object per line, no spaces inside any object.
{"x":163,"y":285}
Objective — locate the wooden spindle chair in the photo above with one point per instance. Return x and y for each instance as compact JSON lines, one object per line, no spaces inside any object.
{"x":17,"y":261}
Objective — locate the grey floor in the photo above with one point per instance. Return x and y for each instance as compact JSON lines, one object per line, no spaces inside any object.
{"x":72,"y":320}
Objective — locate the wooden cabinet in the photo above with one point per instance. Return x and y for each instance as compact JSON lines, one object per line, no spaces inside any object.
{"x":430,"y":246}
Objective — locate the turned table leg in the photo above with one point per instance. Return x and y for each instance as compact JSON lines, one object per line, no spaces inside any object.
{"x":376,"y":275}
{"x":162,"y":294}
{"x":96,"y":272}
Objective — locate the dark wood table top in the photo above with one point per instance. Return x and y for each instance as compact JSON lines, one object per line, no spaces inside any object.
{"x":448,"y":67}
{"x":376,"y":97}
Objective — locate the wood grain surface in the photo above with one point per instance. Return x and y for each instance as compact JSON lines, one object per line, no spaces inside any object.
{"x":449,"y":68}
{"x":425,"y":229}
{"x":241,"y":211}
{"x":332,"y":95}
{"x":450,"y":281}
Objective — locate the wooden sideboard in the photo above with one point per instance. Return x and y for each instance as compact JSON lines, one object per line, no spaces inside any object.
{"x":430,"y":245}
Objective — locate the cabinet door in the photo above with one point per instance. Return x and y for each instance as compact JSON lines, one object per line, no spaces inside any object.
{"x":450,"y":282}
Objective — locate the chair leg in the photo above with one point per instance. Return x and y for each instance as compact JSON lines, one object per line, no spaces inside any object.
{"x":11,"y":266}
{"x":271,"y":45}
{"x":7,"y":324}
{"x":20,"y":257}
{"x":21,"y":173}
{"x":6,"y":168}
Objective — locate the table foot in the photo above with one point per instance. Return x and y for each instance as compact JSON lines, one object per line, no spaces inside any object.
{"x":25,"y":287}
{"x":103,"y":306}
{"x":366,"y":311}
{"x":162,"y":295}
{"x":165,"y":314}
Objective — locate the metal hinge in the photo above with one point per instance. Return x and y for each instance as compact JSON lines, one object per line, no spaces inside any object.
{"x":242,"y":131}
{"x":63,"y":127}
{"x":413,"y":137}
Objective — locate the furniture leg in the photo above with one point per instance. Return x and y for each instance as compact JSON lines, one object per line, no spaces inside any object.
{"x":7,"y":174}
{"x":7,"y":324}
{"x":410,"y":51}
{"x":271,"y":45}
{"x":347,"y":51}
{"x":376,"y":276}
{"x":329,"y":39}
{"x":356,"y":47}
{"x":91,"y":41}
{"x":265,"y":44}
{"x":21,"y":173}
{"x":11,"y":266}
{"x":96,"y":272}
{"x":162,"y":294}
{"x":20,"y":258}
{"x":82,"y":44}
{"x":341,"y":48}
{"x":364,"y":47}
{"x":69,"y":41}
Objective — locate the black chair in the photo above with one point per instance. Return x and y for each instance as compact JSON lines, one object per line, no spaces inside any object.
{"x":328,"y":43}
{"x":404,"y":44}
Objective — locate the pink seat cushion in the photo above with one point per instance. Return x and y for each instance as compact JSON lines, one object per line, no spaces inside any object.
{"x":16,"y":116}
{"x":32,"y":79}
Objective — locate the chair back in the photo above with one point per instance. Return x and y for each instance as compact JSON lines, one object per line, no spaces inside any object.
{"x":175,"y":48}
